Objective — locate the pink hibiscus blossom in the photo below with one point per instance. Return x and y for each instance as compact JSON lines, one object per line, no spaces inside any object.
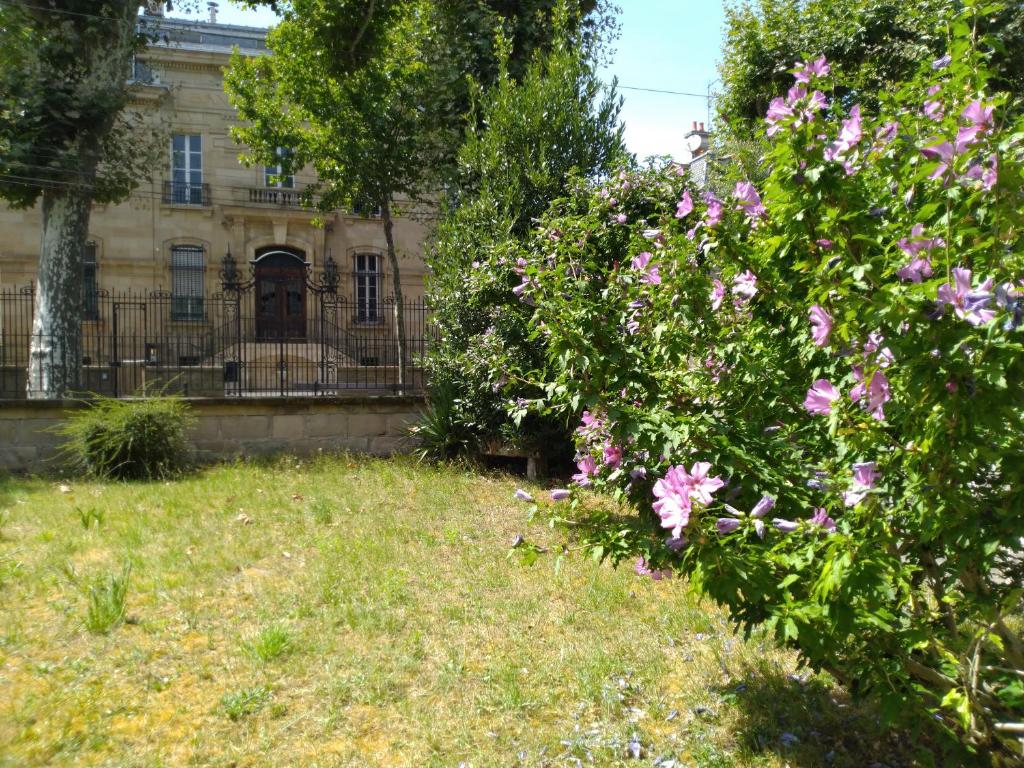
{"x":864,"y":476}
{"x":749,"y":200}
{"x":642,"y":263}
{"x":715,"y":210}
{"x":612,"y":455}
{"x":820,"y":397}
{"x":980,"y":116}
{"x":685,"y":206}
{"x":717,"y":294}
{"x":849,"y":136}
{"x":676,"y":492}
{"x":726,"y":525}
{"x":968,"y":303}
{"x":817,"y":68}
{"x":744,"y":285}
{"x":587,"y":469}
{"x":822,"y":519}
{"x":644,"y":569}
{"x":876,"y":392}
{"x":821,"y":322}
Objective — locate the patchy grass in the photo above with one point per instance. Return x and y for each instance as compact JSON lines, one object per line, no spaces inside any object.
{"x":353,"y":612}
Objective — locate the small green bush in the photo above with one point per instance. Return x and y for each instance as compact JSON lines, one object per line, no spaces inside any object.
{"x":107,"y":601}
{"x":129,"y":439}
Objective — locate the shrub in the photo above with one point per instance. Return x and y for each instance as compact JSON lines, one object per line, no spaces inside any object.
{"x":813,"y":392}
{"x":129,"y":439}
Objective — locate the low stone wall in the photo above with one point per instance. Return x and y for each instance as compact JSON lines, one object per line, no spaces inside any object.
{"x":231,"y":427}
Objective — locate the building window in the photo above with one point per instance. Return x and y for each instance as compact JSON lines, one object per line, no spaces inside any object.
{"x":367,"y":287}
{"x":187,"y":169}
{"x":187,"y":278}
{"x":273,"y":174}
{"x":90,"y":286}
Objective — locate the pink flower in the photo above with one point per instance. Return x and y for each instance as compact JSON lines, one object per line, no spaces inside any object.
{"x":643,"y":569}
{"x":620,"y":218}
{"x":820,"y":397}
{"x":717,"y":294}
{"x":715,"y":210}
{"x":980,"y":116}
{"x":744,"y":285}
{"x":824,"y":244}
{"x":817,"y":68}
{"x":762,"y":507}
{"x":673,"y":503}
{"x":656,"y":236}
{"x":522,"y":495}
{"x":560,"y":494}
{"x":587,"y":469}
{"x":778,"y":110}
{"x":878,"y":395}
{"x":933,"y":110}
{"x":849,"y":136}
{"x":915,"y":271}
{"x":685,"y":206}
{"x":676,"y":492}
{"x":642,"y":263}
{"x":612,"y":455}
{"x":864,"y":476}
{"x":785,"y":526}
{"x":943,"y":153}
{"x":968,"y":303}
{"x":821,"y":518}
{"x":749,"y":200}
{"x":727,"y":524}
{"x":822,"y":325}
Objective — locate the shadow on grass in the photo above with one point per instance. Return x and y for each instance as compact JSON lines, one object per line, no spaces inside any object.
{"x":809,"y":722}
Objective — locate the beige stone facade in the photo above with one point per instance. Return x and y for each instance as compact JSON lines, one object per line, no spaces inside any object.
{"x":180,"y":82}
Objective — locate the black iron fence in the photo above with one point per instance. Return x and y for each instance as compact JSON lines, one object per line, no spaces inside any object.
{"x":277,"y":334}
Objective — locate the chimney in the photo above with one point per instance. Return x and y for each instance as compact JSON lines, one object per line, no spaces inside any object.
{"x":697,"y":139}
{"x":213,"y":11}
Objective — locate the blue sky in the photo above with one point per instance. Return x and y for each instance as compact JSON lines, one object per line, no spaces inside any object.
{"x":665,"y":44}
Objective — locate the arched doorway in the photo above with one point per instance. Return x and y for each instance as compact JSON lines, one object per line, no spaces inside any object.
{"x":280,"y":294}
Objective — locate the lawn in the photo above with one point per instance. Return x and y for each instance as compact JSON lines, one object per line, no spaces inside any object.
{"x":356,"y":612}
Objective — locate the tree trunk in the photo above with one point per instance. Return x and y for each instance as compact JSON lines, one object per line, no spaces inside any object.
{"x":55,"y":353}
{"x":396,"y":279}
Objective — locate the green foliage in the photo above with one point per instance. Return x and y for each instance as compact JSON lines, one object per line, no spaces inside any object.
{"x":872,"y":43}
{"x":90,"y":516}
{"x":322,"y":511}
{"x":440,"y":435}
{"x":527,"y":140}
{"x":248,"y":701}
{"x":143,"y":439}
{"x":106,"y":602}
{"x":271,"y":642}
{"x":894,"y":561}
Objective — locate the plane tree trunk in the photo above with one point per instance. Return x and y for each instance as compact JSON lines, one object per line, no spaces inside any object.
{"x":396,"y":285}
{"x":55,"y":354}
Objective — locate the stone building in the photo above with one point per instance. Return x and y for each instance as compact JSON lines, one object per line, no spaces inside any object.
{"x":169,"y":239}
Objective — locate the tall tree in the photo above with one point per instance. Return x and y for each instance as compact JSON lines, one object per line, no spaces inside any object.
{"x":361,"y":91}
{"x":65,"y":142}
{"x":528,"y":140}
{"x":873,"y":43}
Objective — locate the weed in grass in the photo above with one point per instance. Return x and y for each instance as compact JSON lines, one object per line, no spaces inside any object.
{"x":322,"y":511}
{"x":107,"y":602}
{"x":245,"y":702}
{"x":270,"y":643}
{"x":5,"y":518}
{"x":90,"y":517}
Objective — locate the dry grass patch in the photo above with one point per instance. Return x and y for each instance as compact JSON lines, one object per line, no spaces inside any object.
{"x":350,"y":612}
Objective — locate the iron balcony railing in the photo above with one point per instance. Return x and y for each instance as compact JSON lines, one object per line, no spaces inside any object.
{"x":185,"y":193}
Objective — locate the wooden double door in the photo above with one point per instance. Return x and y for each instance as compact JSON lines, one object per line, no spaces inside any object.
{"x":280,"y":282}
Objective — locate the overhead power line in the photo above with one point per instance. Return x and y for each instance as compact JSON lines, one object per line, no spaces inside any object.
{"x":662,"y":90}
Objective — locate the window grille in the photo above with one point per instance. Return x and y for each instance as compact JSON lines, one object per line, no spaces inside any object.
{"x":188,"y":272}
{"x":367,"y":275}
{"x":90,"y":286}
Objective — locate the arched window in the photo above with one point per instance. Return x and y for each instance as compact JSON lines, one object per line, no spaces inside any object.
{"x":188,"y":270}
{"x":367,"y":288}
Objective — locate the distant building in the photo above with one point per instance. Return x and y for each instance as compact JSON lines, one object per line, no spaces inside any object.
{"x":698,"y":145}
{"x":168,"y":241}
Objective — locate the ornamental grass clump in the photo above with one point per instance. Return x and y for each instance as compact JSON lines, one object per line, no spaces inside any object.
{"x":812,"y":389}
{"x":138,"y":439}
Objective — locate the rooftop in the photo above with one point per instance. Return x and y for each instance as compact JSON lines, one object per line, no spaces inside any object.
{"x":206,"y":36}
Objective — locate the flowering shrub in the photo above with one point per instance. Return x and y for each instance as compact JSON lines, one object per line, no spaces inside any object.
{"x":813,"y":391}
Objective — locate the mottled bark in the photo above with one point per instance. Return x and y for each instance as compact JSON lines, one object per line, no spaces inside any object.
{"x":396,"y":280}
{"x":55,"y":355}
